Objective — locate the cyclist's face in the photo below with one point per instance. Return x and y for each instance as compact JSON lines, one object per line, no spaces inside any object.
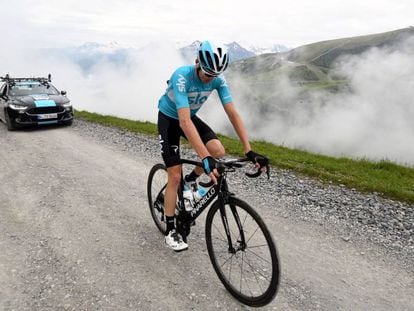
{"x":204,"y":77}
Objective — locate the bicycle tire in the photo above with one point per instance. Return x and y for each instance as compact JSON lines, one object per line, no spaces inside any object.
{"x":221,"y":256}
{"x":157,"y":181}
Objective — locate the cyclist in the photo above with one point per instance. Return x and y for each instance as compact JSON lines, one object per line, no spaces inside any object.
{"x":188,"y":89}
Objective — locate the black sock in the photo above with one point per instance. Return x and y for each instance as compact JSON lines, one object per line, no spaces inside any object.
{"x":192,"y":176}
{"x":170,"y":223}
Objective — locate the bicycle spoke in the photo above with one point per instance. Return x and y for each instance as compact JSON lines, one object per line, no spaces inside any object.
{"x":255,"y":270}
{"x":224,"y":239}
{"x":252,"y":235}
{"x":259,"y":282}
{"x":254,"y":274}
{"x":257,"y":246}
{"x":248,"y":263}
{"x":226,"y":251}
{"x":230,"y":268}
{"x":269,"y":262}
{"x":249,"y":272}
{"x":232,"y":255}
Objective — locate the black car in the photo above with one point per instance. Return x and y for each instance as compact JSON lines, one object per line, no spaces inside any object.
{"x":33,"y":101}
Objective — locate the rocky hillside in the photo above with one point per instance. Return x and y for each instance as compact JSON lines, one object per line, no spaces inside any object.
{"x":325,"y":53}
{"x":311,"y":64}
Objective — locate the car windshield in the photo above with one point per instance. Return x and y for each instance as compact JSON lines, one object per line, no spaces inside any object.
{"x":32,"y":88}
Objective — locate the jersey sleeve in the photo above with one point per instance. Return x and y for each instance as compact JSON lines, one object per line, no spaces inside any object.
{"x":223,"y":91}
{"x":179,"y":88}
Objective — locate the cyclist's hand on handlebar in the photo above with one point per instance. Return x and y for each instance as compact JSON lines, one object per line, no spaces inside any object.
{"x":210,"y":168}
{"x":259,"y":160}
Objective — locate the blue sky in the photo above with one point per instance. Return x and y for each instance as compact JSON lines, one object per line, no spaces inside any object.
{"x":135,"y":22}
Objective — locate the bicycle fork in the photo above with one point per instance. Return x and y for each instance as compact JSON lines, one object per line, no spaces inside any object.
{"x":241,"y":242}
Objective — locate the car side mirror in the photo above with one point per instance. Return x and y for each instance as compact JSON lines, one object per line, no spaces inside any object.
{"x":63,"y":93}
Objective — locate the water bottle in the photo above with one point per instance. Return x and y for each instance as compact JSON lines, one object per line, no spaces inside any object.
{"x":201,"y":191}
{"x":188,"y":199}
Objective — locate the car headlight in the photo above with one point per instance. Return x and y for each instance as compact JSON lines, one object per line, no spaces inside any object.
{"x":16,"y":106}
{"x":68,"y":104}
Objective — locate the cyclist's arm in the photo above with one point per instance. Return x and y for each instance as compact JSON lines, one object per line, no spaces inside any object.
{"x":238,"y":125}
{"x":191,"y":132}
{"x":235,"y":119}
{"x":194,"y":138}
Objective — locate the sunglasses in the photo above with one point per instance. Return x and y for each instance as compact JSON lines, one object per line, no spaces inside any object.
{"x":208,"y":75}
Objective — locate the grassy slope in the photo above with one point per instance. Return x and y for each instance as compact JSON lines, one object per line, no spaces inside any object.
{"x":325,"y":52}
{"x":309,"y":65}
{"x":388,"y":179}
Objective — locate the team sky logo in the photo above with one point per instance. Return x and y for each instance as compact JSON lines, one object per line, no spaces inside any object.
{"x":181,"y":83}
{"x":196,"y":99}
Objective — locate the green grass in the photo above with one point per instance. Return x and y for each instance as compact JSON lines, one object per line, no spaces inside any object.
{"x":130,"y":125}
{"x":388,"y":179}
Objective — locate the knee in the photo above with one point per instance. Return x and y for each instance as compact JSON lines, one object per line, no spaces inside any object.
{"x":216,"y":149}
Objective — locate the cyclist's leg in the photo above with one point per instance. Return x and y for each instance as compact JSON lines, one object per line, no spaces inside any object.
{"x":170,"y":133}
{"x":209,"y":138}
{"x":170,"y":199}
{"x":216,"y":148}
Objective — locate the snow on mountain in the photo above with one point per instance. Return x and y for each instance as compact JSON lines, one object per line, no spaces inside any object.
{"x":236,"y":51}
{"x":89,"y":54}
{"x":276,"y":48}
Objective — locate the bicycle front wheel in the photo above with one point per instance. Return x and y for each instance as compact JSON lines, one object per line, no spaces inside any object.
{"x":157,"y":183}
{"x":244,"y":256}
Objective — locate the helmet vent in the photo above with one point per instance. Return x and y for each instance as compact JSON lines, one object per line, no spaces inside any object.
{"x":213,"y":60}
{"x":210,"y":63}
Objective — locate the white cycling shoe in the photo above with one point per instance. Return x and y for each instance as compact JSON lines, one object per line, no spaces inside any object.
{"x":175,"y":242}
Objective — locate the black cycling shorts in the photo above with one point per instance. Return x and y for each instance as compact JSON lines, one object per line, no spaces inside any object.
{"x":170,"y":132}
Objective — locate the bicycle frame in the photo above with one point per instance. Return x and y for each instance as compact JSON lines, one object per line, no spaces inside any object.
{"x":220,"y":191}
{"x":257,"y":278}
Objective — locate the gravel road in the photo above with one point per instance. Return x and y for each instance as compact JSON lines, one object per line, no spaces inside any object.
{"x":76,"y":233}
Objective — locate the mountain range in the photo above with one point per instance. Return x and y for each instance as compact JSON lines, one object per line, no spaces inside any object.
{"x":89,"y":54}
{"x":236,"y":51}
{"x":312,"y":64}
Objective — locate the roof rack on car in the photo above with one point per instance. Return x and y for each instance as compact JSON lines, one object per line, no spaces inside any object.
{"x":13,"y":81}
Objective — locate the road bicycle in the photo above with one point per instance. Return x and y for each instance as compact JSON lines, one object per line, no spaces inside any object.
{"x":240,"y":246}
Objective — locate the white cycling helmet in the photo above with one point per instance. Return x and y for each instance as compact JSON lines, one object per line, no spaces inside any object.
{"x":213,"y":60}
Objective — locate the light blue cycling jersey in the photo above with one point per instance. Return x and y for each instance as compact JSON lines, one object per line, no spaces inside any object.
{"x":185,"y":89}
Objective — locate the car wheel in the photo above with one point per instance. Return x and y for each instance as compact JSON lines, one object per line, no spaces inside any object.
{"x":10,"y":125}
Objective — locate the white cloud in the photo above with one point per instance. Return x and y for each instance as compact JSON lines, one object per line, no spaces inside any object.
{"x":375,"y":121}
{"x":264,"y":22}
{"x":372,"y":121}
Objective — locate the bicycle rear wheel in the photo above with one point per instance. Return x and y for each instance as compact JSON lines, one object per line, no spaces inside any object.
{"x":157,"y":182}
{"x":249,"y":270}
